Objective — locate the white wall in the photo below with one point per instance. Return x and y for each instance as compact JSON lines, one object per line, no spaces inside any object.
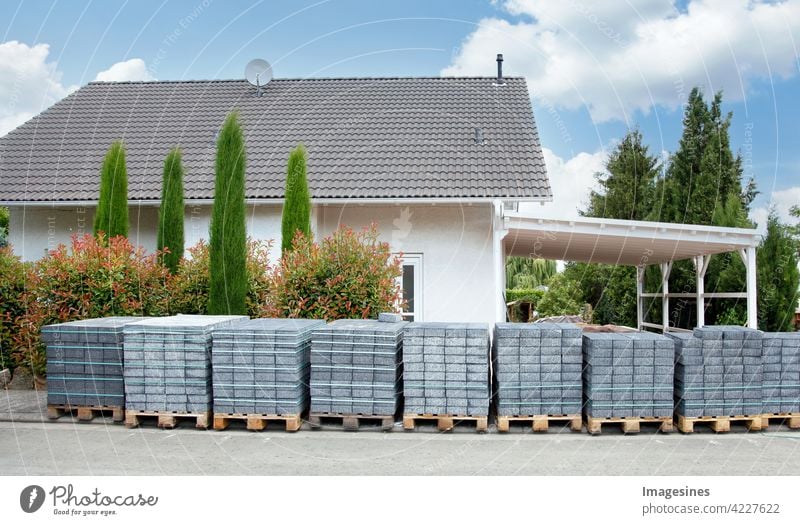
{"x":456,"y":243}
{"x":34,"y":230}
{"x":263,"y":223}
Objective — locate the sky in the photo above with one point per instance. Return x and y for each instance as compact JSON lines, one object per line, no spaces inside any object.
{"x":595,"y":68}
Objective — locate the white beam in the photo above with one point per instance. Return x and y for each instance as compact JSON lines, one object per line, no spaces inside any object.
{"x":752,"y":299}
{"x":639,"y":297}
{"x":666,"y":268}
{"x":498,"y":234}
{"x":699,"y":267}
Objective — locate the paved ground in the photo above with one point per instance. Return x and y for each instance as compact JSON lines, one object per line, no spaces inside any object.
{"x":29,"y":445}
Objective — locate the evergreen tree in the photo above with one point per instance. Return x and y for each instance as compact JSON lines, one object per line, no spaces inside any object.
{"x":112,"y":206}
{"x":171,"y":212}
{"x":228,"y":243}
{"x":627,"y":191}
{"x":778,"y":277}
{"x":297,"y":199}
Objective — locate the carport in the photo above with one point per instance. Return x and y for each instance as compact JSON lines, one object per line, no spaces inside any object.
{"x":639,"y":244}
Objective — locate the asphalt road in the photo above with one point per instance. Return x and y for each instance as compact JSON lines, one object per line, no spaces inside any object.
{"x":67,"y":448}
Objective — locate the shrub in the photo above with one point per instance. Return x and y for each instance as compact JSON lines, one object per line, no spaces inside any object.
{"x":533,"y":295}
{"x":112,"y":206}
{"x":228,"y":244}
{"x":170,"y":214}
{"x":4,"y":218}
{"x":190,"y":284}
{"x":12,"y":286}
{"x":562,"y":297}
{"x":348,"y":275}
{"x":94,"y":278}
{"x":297,"y":201}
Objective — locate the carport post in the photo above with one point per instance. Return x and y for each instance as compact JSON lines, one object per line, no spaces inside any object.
{"x":639,"y":298}
{"x":666,"y":268}
{"x":700,"y":267}
{"x":752,"y":300}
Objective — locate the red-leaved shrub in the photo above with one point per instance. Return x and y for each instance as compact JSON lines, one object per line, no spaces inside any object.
{"x":93,"y":278}
{"x":12,"y":286}
{"x":349,"y":275}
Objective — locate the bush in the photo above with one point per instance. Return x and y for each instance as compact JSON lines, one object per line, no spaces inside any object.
{"x":562,"y":297}
{"x":189,"y":286}
{"x":532,"y":295}
{"x":95,"y":278}
{"x":348,"y":275}
{"x":12,"y":286}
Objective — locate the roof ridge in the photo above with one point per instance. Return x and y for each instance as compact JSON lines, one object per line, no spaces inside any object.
{"x":298,"y":79}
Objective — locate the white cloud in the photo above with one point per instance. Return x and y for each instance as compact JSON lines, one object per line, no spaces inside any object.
{"x":616,"y":57}
{"x":28,"y":83}
{"x":571,"y":181}
{"x":129,"y":70}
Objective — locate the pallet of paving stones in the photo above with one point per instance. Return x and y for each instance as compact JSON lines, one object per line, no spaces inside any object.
{"x":85,"y":367}
{"x":260,"y":372}
{"x":446,"y":422}
{"x":628,"y":381}
{"x":781,"y":385}
{"x":290,"y":422}
{"x":86,"y":413}
{"x":628,"y":425}
{"x":446,"y":374}
{"x":356,"y":371}
{"x":719,"y":424}
{"x":537,"y":371}
{"x":319,"y":420}
{"x":789,"y":419}
{"x":540,"y":423}
{"x":167,"y":420}
{"x":168,"y":367}
{"x":719,"y":372}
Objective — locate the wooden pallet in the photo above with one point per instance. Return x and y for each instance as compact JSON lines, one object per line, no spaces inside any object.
{"x":540,"y":423}
{"x":167,"y":420}
{"x":445,"y":422}
{"x":791,"y":419}
{"x":86,"y":413}
{"x":630,"y":425}
{"x":258,"y":421}
{"x":718,"y":423}
{"x":350,"y":421}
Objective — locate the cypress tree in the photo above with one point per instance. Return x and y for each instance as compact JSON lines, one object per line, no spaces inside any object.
{"x":170,"y":214}
{"x":297,"y":199}
{"x":112,"y":206}
{"x":228,"y":237}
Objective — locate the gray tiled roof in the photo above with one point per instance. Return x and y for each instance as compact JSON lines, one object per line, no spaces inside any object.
{"x":366,"y":138}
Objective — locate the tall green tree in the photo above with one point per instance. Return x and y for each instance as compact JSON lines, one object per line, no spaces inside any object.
{"x":625,"y":191}
{"x":297,"y":199}
{"x":525,"y":272}
{"x":171,"y":212}
{"x":228,"y":237}
{"x":112,"y":206}
{"x":778,"y":277}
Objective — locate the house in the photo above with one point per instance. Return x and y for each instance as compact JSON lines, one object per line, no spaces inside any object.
{"x":440,"y":164}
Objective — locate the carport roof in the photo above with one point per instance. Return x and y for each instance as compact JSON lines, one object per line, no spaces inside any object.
{"x":624,"y":242}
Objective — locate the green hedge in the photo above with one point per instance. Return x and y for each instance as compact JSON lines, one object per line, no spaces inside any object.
{"x":527,"y":294}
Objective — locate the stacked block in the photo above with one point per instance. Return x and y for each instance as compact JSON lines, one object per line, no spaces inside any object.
{"x":356,"y":367}
{"x":628,"y":375}
{"x":84,"y":362}
{"x":719,"y":371}
{"x":168,"y":362}
{"x":446,"y":369}
{"x":261,"y":366}
{"x":781,"y":387}
{"x":537,"y":368}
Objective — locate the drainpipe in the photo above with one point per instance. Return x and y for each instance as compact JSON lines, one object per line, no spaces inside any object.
{"x":499,"y":232}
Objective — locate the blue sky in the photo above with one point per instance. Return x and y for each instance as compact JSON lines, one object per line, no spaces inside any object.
{"x":594,"y":68}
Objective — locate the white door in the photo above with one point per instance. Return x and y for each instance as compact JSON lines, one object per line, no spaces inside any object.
{"x":410,"y":282}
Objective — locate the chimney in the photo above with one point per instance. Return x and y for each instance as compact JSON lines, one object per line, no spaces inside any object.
{"x":500,"y":81}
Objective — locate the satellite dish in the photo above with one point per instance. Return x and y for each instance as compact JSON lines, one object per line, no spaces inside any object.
{"x":258,"y":72}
